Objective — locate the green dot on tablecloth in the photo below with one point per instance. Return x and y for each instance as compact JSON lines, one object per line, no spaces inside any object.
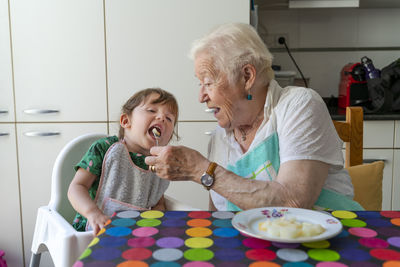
{"x":198,"y":254}
{"x":148,"y":222}
{"x":353,"y":223}
{"x":321,"y":254}
{"x":86,"y":253}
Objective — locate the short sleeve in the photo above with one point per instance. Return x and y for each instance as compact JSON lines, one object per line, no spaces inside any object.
{"x":93,"y":159}
{"x":306,"y":130}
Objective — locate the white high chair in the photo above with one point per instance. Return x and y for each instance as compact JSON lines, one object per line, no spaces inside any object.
{"x":53,"y":229}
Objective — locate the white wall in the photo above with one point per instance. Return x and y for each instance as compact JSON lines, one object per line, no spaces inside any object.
{"x":331,"y":28}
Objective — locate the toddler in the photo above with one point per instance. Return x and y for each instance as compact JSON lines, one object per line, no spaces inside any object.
{"x":113,"y":175}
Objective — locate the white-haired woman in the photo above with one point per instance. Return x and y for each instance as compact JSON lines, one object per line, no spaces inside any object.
{"x":273,"y":147}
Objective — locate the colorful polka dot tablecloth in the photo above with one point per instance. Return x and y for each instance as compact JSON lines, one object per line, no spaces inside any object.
{"x":205,"y":239}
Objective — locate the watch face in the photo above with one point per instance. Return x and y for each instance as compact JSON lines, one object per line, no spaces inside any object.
{"x":207,"y":180}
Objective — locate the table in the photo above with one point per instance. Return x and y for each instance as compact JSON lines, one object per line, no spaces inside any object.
{"x":203,"y":238}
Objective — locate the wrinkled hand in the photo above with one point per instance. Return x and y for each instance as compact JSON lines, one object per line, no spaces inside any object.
{"x":97,"y":220}
{"x":177,"y":163}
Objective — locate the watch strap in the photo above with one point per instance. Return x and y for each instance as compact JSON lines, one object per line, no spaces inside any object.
{"x":211,"y":168}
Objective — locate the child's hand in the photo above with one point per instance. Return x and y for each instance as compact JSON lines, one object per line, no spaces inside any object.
{"x":97,"y":220}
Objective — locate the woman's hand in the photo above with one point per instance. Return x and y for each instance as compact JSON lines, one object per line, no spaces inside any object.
{"x":177,"y":163}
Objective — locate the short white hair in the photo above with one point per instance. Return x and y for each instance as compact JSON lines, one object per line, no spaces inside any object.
{"x":233,"y":45}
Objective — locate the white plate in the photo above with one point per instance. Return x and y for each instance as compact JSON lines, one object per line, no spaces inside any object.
{"x":247,"y":223}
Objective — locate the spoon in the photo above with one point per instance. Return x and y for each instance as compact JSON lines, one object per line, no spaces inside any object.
{"x":156,"y":134}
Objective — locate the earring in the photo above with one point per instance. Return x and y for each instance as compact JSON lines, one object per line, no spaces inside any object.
{"x":249,"y":97}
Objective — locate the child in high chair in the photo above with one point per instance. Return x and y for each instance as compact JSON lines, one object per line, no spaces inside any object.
{"x":113,"y":175}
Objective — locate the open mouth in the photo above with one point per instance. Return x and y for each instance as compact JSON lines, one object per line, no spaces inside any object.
{"x":155,"y":131}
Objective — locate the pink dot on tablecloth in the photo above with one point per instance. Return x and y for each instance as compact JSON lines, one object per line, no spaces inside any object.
{"x":198,"y":264}
{"x":373,"y":242}
{"x":390,"y":214}
{"x":362,"y":232}
{"x":145,"y":231}
{"x":141,"y":242}
{"x":256,"y":243}
{"x":394,"y":241}
{"x":385,"y":254}
{"x":199,"y":214}
{"x":78,"y":264}
{"x":330,"y":264}
{"x":261,"y":254}
{"x":136,"y":254}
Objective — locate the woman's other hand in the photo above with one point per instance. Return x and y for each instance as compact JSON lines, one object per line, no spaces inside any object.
{"x":177,"y":163}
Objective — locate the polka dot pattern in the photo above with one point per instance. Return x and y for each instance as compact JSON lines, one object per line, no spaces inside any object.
{"x":208,"y":239}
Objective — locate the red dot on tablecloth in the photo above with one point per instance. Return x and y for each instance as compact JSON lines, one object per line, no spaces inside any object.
{"x":261,"y":254}
{"x":373,"y":242}
{"x":385,"y":254}
{"x":141,"y":242}
{"x":136,"y":254}
{"x":362,"y":232}
{"x":390,"y":214}
{"x":199,"y":214}
{"x":256,"y":243}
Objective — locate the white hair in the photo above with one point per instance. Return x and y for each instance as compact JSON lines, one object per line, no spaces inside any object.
{"x":233,"y":45}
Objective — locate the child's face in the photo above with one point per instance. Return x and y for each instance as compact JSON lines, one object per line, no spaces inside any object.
{"x":138,"y":127}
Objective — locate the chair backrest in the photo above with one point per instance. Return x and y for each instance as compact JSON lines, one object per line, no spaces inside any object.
{"x":63,"y":172}
{"x":351,"y":132}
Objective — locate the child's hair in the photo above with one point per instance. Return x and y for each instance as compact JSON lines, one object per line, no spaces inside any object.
{"x":141,"y":96}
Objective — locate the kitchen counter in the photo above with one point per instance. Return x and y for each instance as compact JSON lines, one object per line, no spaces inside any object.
{"x":339,"y":114}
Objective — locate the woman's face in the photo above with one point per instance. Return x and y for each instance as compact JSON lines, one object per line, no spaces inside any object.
{"x":216,"y":91}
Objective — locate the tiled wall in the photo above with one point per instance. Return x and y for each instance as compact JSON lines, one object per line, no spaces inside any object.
{"x":324,"y":33}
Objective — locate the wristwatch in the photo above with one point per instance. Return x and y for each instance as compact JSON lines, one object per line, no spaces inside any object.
{"x":207,"y":179}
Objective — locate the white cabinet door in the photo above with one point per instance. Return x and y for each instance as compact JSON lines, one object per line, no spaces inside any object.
{"x":10,"y":230}
{"x":37,"y":154}
{"x":378,"y":134}
{"x":396,"y":180}
{"x":59,"y":60}
{"x":6,"y":89}
{"x":396,"y":134}
{"x":148,"y":42}
{"x":387,"y":156}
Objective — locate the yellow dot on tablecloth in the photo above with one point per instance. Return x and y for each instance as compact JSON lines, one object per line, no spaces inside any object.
{"x":86,"y":253}
{"x":94,"y":241}
{"x":102,"y":230}
{"x":264,"y":264}
{"x":344,"y":214}
{"x":133,"y":264}
{"x":391,"y":264}
{"x":152,"y":214}
{"x":199,"y":242}
{"x":198,"y":232}
{"x":317,"y":244}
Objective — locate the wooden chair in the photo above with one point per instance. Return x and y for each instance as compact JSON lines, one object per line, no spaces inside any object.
{"x":351,"y":132}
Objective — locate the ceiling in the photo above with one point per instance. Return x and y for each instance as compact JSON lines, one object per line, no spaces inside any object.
{"x":284,"y":4}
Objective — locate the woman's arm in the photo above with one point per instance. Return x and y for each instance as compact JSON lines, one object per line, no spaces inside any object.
{"x":78,"y":195}
{"x":298,"y":184}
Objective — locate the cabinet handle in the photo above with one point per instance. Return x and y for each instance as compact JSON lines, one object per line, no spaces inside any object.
{"x":40,"y":111}
{"x":372,"y":160}
{"x":4,"y":134}
{"x":34,"y":134}
{"x":3,"y":111}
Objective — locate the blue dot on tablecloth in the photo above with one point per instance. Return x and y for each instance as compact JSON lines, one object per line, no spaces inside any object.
{"x":222,"y":223}
{"x":378,"y":222}
{"x":394,"y":241}
{"x":297,"y":264}
{"x":128,"y":214}
{"x":118,"y":231}
{"x":105,"y":254}
{"x":388,"y":231}
{"x":170,"y":242}
{"x":123,"y":222}
{"x":368,"y":214}
{"x":227,"y":242}
{"x":174,"y":223}
{"x":223,"y":214}
{"x":225,"y":232}
{"x":343,"y":243}
{"x":112,"y":241}
{"x":292,"y":255}
{"x":355,"y":254}
{"x":175,"y":214}
{"x":167,"y":254}
{"x":231,"y":264}
{"x":285,"y":245}
{"x":342,"y":234}
{"x":364,"y":264}
{"x":231,"y":254}
{"x":172,"y":231}
{"x":165,"y":264}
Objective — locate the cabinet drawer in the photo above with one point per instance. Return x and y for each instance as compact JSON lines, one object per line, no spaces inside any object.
{"x":378,"y":134}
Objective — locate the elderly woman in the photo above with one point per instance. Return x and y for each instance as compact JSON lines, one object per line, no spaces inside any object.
{"x":273,"y":147}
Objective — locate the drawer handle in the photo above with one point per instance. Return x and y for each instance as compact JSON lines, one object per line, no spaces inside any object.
{"x":373,"y":160}
{"x":40,"y":111}
{"x":4,"y":134}
{"x":34,"y":134}
{"x":3,"y":111}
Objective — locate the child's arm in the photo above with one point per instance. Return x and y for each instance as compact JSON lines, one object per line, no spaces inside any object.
{"x":160,"y":205}
{"x":78,"y":195}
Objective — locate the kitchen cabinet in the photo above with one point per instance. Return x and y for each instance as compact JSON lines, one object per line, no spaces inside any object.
{"x":59,"y":60}
{"x":10,"y":230}
{"x":396,"y":180}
